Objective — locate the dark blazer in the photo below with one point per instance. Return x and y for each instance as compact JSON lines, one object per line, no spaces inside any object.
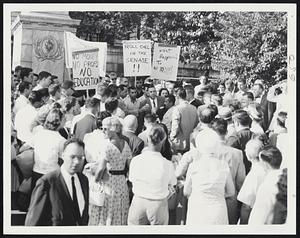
{"x":239,"y":140}
{"x":135,"y":143}
{"x":268,"y":109}
{"x":160,"y":102}
{"x":51,"y":203}
{"x":86,"y":125}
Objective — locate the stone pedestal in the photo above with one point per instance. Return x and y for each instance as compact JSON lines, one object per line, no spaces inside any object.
{"x":39,"y":41}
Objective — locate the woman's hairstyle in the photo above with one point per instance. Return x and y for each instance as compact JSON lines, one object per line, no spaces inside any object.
{"x":272,"y":156}
{"x":157,"y":134}
{"x":166,"y":150}
{"x":53,"y":119}
{"x":115,"y":123}
{"x":162,"y":89}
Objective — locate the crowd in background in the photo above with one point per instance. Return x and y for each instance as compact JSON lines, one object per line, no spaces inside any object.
{"x":159,"y":153}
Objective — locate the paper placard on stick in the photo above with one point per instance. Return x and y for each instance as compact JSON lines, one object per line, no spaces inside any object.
{"x":165,"y":62}
{"x":137,"y":57}
{"x":85,"y":69}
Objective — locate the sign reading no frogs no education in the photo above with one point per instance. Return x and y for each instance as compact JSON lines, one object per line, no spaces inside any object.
{"x":137,"y":57}
{"x":165,"y":62}
{"x":85,"y":69}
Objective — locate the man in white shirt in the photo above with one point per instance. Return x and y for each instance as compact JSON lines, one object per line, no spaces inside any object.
{"x":24,"y":89}
{"x":263,"y":209}
{"x":151,"y":175}
{"x":26,"y":116}
{"x":149,"y":122}
{"x":60,"y":198}
{"x":45,"y":79}
{"x":167,"y":118}
{"x":242,"y":88}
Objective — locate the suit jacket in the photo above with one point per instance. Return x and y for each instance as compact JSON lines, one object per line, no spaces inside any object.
{"x":184,"y":120}
{"x":51,"y":202}
{"x":268,"y":109}
{"x":135,"y":143}
{"x":86,"y":125}
{"x":160,"y":102}
{"x":239,"y":140}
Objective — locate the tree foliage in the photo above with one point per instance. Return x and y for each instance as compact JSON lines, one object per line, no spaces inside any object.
{"x":248,"y":44}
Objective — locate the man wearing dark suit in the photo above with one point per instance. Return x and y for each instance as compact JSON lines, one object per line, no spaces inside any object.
{"x":267,"y":107}
{"x":153,"y":100}
{"x":242,"y":135}
{"x":89,"y":122}
{"x":61,"y":197}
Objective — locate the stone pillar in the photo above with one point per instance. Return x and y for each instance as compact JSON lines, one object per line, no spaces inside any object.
{"x":39,"y":41}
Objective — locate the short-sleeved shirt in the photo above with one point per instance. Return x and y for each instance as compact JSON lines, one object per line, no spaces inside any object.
{"x":150,"y":174}
{"x":251,"y":184}
{"x":263,"y":209}
{"x":48,"y":147}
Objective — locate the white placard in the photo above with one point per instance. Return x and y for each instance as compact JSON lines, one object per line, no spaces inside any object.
{"x":137,"y":57}
{"x":85,"y":69}
{"x":165,"y":62}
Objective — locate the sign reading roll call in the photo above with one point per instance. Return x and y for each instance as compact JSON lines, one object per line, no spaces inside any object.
{"x":85,"y":69}
{"x":137,"y":57}
{"x":165,"y":62}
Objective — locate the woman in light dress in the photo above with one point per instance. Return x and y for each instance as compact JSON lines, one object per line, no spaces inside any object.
{"x":208,"y":183}
{"x":110,"y":172}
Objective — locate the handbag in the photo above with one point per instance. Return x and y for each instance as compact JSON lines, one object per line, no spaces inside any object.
{"x":97,"y":194}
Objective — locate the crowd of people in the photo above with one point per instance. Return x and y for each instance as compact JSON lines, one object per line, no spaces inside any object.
{"x":139,"y":152}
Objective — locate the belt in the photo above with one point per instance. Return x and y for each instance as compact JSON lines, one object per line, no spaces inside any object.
{"x":117,"y":172}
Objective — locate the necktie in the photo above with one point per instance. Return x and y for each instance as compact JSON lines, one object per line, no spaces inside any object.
{"x":153,"y":102}
{"x":75,"y":203}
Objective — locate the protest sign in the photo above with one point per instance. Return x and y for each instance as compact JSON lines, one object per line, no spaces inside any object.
{"x":165,"y":62}
{"x":85,"y":69}
{"x":137,"y":57}
{"x":75,"y":44}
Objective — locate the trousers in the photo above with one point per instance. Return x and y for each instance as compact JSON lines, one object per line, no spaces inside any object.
{"x":144,"y":211}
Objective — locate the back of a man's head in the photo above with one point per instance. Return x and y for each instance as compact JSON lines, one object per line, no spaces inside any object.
{"x":206,"y":114}
{"x":44,"y":74}
{"x":25,"y":71}
{"x":24,"y":85}
{"x":150,"y":118}
{"x":242,"y":118}
{"x":156,"y":135}
{"x":92,"y":103}
{"x":272,"y":156}
{"x":130,"y":123}
{"x":111,"y":105}
{"x":181,"y":93}
{"x":219,"y":125}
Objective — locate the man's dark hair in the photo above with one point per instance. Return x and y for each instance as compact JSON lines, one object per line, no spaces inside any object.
{"x":73,"y":140}
{"x":219,"y":125}
{"x":17,"y":68}
{"x":151,"y":86}
{"x":249,"y":95}
{"x":242,"y":117}
{"x":111,"y":105}
{"x":146,"y":86}
{"x":53,"y":88}
{"x":122,"y":87}
{"x":150,"y":117}
{"x":92,"y":102}
{"x":24,"y":85}
{"x":25,"y":72}
{"x":214,"y":108}
{"x":107,"y":92}
{"x":131,"y":88}
{"x":190,"y":89}
{"x":44,"y":74}
{"x":171,"y":98}
{"x":206,"y":115}
{"x":181,"y":93}
{"x":34,"y":96}
{"x":43,"y":92}
{"x":272,"y":156}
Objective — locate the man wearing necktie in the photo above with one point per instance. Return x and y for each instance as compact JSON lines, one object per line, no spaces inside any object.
{"x":155,"y":101}
{"x":61,"y":197}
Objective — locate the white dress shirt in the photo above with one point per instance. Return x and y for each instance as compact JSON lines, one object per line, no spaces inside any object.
{"x":153,"y":101}
{"x":68,"y":179}
{"x":263,"y":209}
{"x":21,"y":102}
{"x":150,"y":174}
{"x":253,"y":180}
{"x":23,"y":120}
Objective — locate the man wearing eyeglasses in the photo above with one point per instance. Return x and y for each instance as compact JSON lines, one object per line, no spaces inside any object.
{"x":61,"y":197}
